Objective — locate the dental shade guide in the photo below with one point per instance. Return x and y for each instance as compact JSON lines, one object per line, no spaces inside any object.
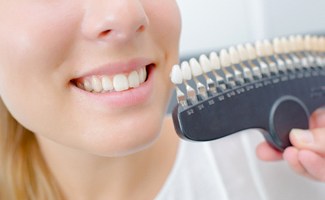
{"x":273,"y":86}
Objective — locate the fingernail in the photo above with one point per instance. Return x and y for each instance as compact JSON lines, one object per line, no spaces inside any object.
{"x":304,"y":136}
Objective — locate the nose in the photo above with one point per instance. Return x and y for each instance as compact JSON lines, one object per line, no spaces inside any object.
{"x":114,"y":20}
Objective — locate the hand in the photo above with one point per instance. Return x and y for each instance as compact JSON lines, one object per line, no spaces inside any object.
{"x":307,"y":155}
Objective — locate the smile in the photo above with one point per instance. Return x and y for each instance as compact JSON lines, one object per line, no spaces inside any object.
{"x":112,"y":83}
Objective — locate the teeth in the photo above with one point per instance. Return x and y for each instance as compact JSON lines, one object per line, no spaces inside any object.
{"x":268,"y":48}
{"x":142,"y":75}
{"x":243,"y":54}
{"x":278,"y":48}
{"x":176,"y":75}
{"x":215,"y":61}
{"x":87,"y":85}
{"x":186,"y":71}
{"x":205,"y":63}
{"x":97,"y":84}
{"x":119,"y":82}
{"x":195,"y":67}
{"x":107,"y":84}
{"x":260,"y":51}
{"x":225,"y":58}
{"x":244,"y":64}
{"x":134,"y":79}
{"x":308,"y":43}
{"x":234,"y":55}
{"x":251,"y":51}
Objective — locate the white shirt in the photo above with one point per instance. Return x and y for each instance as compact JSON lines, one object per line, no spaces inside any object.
{"x":227,"y":169}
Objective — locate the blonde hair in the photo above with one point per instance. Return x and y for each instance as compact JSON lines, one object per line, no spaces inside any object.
{"x":23,"y":171}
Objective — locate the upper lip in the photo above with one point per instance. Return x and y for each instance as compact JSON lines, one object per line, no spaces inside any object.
{"x":113,"y":68}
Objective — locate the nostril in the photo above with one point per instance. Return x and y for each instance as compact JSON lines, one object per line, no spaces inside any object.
{"x":104,"y":33}
{"x":141,"y":28}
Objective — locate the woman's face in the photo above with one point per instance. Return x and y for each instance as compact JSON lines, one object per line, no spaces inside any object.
{"x":72,"y":71}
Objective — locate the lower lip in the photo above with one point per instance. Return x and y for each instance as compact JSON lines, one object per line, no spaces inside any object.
{"x":131,"y":97}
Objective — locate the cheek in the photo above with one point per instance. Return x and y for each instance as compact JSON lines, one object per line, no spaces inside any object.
{"x":34,"y":42}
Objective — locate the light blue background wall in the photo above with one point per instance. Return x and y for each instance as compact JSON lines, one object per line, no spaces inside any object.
{"x":212,"y":24}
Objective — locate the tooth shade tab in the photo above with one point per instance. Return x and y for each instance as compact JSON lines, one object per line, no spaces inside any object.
{"x":260,"y":51}
{"x":251,"y":51}
{"x":268,"y":48}
{"x":315,"y":43}
{"x":308,"y":46}
{"x":215,"y":61}
{"x":205,"y":63}
{"x":186,"y":71}
{"x":234,"y":55}
{"x":288,"y":45}
{"x":225,"y":58}
{"x":195,"y":67}
{"x":322,"y":44}
{"x":176,"y":75}
{"x":300,"y":43}
{"x":243,"y":54}
{"x":277,"y":45}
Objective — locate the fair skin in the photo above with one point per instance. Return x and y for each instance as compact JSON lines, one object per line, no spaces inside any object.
{"x":97,"y":145}
{"x":307,"y":155}
{"x":95,"y":148}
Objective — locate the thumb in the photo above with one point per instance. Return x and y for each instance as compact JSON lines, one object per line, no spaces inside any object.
{"x":313,"y":139}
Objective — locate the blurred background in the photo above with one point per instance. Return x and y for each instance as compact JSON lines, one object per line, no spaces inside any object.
{"x":212,"y":24}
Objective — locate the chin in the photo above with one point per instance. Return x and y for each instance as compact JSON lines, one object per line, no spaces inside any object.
{"x":128,"y":135}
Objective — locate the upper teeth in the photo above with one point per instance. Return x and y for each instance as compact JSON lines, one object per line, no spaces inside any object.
{"x":118,"y":82}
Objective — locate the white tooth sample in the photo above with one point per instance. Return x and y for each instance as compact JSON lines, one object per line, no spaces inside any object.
{"x":107,"y":84}
{"x":224,"y":58}
{"x":251,"y":51}
{"x":259,"y":49}
{"x":315,"y":43}
{"x":215,"y":61}
{"x":120,"y":82}
{"x":292,"y":44}
{"x":243,"y":54}
{"x":278,"y":48}
{"x":176,"y":75}
{"x":134,"y":79}
{"x":205,"y":63}
{"x":195,"y":67}
{"x":186,"y":71}
{"x":142,"y":75}
{"x":308,"y":43}
{"x":234,"y":56}
{"x":322,"y":43}
{"x":300,"y":43}
{"x":268,"y":48}
{"x":288,"y":44}
{"x":88,"y":86}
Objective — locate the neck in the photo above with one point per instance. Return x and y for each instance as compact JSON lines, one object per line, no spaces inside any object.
{"x":138,"y":176}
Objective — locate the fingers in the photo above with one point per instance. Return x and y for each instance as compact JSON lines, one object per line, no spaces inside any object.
{"x":313,"y":163}
{"x":313,"y":139}
{"x":265,"y":152}
{"x":317,"y":119}
{"x":291,"y":156}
